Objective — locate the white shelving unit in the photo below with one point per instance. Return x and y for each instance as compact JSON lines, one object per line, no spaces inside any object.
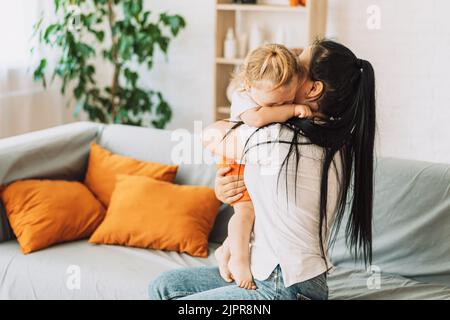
{"x":259,"y":7}
{"x":235,"y":61}
{"x":310,"y":21}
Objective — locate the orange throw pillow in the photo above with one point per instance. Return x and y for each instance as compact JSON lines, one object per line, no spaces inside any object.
{"x":44,"y":212}
{"x":103,"y":167}
{"x":148,"y":213}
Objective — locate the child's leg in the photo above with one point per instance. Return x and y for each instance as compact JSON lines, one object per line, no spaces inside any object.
{"x":222,"y":255}
{"x":239,"y":231}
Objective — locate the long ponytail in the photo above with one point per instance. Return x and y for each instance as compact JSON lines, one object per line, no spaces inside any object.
{"x":349,"y":103}
{"x":359,"y":227}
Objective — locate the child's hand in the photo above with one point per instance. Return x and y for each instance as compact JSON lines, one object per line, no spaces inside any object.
{"x":302,"y":111}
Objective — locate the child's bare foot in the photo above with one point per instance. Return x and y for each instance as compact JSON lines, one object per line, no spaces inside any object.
{"x":223,"y":256}
{"x":240,"y":270}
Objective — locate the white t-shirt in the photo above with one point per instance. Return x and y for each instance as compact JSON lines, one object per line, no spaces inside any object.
{"x":286,"y":229}
{"x":241,"y":102}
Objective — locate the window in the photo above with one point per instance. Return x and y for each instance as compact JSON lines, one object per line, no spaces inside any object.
{"x":16,"y":22}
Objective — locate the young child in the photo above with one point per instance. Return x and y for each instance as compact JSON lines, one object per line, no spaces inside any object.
{"x":265,"y":90}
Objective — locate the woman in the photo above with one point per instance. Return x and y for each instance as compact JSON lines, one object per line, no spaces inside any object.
{"x":298,"y":175}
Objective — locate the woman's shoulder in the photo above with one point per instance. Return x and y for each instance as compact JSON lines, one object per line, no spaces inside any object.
{"x":278,"y":138}
{"x":287,"y":136}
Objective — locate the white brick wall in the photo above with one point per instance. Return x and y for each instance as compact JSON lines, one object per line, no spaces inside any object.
{"x":410,"y":53}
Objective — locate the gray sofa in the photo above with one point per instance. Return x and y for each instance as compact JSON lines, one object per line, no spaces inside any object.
{"x":411,"y":225}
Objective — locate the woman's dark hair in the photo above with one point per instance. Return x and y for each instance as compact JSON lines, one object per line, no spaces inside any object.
{"x":348,"y":104}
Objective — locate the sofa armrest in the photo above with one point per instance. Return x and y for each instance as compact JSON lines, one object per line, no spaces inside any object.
{"x":56,"y":153}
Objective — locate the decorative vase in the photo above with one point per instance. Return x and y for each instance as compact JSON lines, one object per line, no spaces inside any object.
{"x":230,"y":45}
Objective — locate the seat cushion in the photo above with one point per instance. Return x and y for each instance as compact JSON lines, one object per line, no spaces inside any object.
{"x":79,"y":270}
{"x":347,"y":284}
{"x":411,"y":222}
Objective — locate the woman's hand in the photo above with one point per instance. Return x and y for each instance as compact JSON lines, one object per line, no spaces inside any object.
{"x":228,"y":188}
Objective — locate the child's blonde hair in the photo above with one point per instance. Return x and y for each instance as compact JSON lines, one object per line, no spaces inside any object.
{"x":272,"y":62}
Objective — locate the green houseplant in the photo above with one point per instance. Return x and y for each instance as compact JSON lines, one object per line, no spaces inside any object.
{"x":120,"y":32}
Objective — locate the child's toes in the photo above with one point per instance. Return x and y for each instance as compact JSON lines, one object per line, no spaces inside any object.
{"x":225,"y":273}
{"x":226,"y":276}
{"x":247,"y":285}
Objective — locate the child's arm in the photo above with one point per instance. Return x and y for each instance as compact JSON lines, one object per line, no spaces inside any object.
{"x":261,"y":116}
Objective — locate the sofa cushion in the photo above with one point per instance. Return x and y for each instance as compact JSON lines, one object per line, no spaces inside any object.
{"x":153,"y":214}
{"x":46,"y":212}
{"x":348,"y":284}
{"x":78,"y":270}
{"x":411,"y":222}
{"x":104,"y":166}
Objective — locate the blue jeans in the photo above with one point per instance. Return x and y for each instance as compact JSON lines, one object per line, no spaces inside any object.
{"x":205,"y":283}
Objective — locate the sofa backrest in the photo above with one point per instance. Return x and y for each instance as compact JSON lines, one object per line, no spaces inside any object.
{"x":411,"y":226}
{"x":164,"y":146}
{"x":56,"y":153}
{"x":62,"y":153}
{"x":196,"y":166}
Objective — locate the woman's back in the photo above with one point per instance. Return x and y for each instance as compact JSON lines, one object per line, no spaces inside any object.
{"x":287,"y":205}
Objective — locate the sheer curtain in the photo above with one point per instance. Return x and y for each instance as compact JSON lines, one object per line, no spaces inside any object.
{"x":24,"y":105}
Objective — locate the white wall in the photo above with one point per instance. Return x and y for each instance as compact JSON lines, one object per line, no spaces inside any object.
{"x":186,"y":77}
{"x":410,"y":53}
